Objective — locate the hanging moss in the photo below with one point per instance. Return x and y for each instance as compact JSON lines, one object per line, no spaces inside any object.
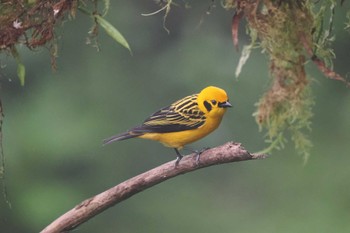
{"x":291,"y":33}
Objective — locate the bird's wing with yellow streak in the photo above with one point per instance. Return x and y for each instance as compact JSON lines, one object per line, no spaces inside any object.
{"x":181,"y":115}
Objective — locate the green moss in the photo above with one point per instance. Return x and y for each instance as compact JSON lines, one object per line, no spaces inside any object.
{"x":290,"y":32}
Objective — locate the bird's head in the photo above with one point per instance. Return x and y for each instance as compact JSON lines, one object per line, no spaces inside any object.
{"x":213,"y":101}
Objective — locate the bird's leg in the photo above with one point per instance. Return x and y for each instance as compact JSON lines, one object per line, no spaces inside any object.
{"x":179,"y":157}
{"x":198,"y":153}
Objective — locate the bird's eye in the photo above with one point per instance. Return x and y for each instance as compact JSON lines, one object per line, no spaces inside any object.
{"x":213,"y":102}
{"x":207,"y":105}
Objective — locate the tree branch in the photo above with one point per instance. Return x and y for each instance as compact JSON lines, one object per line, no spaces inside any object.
{"x":227,"y":153}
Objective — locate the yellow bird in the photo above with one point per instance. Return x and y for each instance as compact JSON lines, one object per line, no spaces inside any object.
{"x":185,"y":121}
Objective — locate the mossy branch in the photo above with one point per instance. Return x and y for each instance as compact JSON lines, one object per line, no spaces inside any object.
{"x":227,"y":153}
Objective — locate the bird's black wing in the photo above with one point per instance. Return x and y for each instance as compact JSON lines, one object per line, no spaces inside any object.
{"x":181,"y":115}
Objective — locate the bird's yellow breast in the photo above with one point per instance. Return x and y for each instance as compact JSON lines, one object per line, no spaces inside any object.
{"x":180,"y":139}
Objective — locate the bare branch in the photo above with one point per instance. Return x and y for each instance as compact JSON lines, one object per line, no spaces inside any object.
{"x":227,"y":153}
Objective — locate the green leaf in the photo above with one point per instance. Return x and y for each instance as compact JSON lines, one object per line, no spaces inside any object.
{"x":107,"y":26}
{"x":21,"y":69}
{"x":21,"y":72}
{"x":112,"y":31}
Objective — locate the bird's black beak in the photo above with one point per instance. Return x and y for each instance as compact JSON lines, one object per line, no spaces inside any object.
{"x":225,"y":104}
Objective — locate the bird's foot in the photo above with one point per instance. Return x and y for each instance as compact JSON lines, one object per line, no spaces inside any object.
{"x":198,"y":154}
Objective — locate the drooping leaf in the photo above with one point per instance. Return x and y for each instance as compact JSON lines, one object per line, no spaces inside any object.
{"x":21,"y":70}
{"x":107,"y":26}
{"x":112,"y":31}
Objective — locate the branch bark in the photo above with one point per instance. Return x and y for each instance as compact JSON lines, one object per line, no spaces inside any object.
{"x":227,"y":153}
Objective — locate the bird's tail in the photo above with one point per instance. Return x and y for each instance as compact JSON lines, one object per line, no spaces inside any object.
{"x":120,"y":137}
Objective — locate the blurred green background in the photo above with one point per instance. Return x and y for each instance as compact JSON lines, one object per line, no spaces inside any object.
{"x":55,"y":124}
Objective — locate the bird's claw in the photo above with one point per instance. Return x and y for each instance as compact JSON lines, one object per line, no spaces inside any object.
{"x":198,"y":154}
